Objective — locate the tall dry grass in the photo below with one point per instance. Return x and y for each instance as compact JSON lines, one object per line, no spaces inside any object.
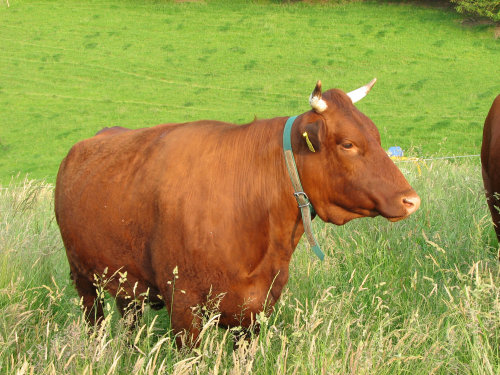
{"x":418,"y":296}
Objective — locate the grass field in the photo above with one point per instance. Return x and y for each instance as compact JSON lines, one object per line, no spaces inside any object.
{"x":69,"y":68}
{"x":421,"y":296}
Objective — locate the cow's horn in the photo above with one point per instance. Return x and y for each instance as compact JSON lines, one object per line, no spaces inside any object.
{"x":360,"y":93}
{"x":317,"y":103}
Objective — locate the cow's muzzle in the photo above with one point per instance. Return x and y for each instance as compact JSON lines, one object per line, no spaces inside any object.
{"x":411,"y":203}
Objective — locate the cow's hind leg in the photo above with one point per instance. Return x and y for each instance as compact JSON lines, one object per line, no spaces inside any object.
{"x":92,"y":305}
{"x":130,"y":310}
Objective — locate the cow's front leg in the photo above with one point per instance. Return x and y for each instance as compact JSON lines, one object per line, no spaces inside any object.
{"x":185,"y":323}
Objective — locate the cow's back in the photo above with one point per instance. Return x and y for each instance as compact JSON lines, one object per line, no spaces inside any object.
{"x":490,"y":160}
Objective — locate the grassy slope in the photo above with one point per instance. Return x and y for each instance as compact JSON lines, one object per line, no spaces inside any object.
{"x":69,"y":68}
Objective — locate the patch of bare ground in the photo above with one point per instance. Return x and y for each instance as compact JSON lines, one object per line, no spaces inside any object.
{"x":471,"y":22}
{"x":440,"y":4}
{"x":447,"y":5}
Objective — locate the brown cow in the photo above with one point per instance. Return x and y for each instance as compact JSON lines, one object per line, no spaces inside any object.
{"x":490,"y":161}
{"x":213,"y":203}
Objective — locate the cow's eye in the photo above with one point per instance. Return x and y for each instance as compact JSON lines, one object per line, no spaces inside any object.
{"x":347,"y":145}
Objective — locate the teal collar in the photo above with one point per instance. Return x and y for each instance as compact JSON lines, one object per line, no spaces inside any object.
{"x":301,"y":197}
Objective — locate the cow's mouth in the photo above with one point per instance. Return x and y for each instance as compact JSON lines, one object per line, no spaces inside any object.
{"x":394,"y":219}
{"x":339,"y":215}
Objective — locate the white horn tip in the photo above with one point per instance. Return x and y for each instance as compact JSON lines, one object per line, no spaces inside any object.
{"x":370,"y":84}
{"x":360,"y":93}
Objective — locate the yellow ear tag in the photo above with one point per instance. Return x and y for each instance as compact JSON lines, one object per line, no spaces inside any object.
{"x":308,"y":141}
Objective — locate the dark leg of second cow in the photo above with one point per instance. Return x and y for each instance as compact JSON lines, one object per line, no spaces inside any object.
{"x":493,"y":199}
{"x":494,"y":205}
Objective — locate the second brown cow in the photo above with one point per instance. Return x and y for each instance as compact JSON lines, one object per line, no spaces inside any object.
{"x":490,"y":161}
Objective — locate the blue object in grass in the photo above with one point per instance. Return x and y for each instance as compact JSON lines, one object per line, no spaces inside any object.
{"x":395,"y":151}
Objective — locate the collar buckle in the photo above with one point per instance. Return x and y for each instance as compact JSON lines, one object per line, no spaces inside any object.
{"x":302,"y":199}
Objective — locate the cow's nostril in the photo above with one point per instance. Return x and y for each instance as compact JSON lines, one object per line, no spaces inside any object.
{"x":411,"y":203}
{"x":408,"y":203}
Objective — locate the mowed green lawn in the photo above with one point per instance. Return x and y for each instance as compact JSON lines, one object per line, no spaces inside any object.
{"x":69,"y":68}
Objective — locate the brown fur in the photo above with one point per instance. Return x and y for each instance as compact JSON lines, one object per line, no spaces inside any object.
{"x":215,"y":200}
{"x":490,"y":161}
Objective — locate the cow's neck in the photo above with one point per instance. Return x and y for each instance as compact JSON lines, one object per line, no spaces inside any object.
{"x":284,"y":218}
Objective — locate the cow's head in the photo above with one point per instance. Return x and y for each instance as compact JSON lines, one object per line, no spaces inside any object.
{"x":348,"y":175}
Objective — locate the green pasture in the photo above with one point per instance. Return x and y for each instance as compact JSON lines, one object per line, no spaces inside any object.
{"x":69,"y":68}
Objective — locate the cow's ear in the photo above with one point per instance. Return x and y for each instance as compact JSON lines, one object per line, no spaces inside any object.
{"x":311,"y":135}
